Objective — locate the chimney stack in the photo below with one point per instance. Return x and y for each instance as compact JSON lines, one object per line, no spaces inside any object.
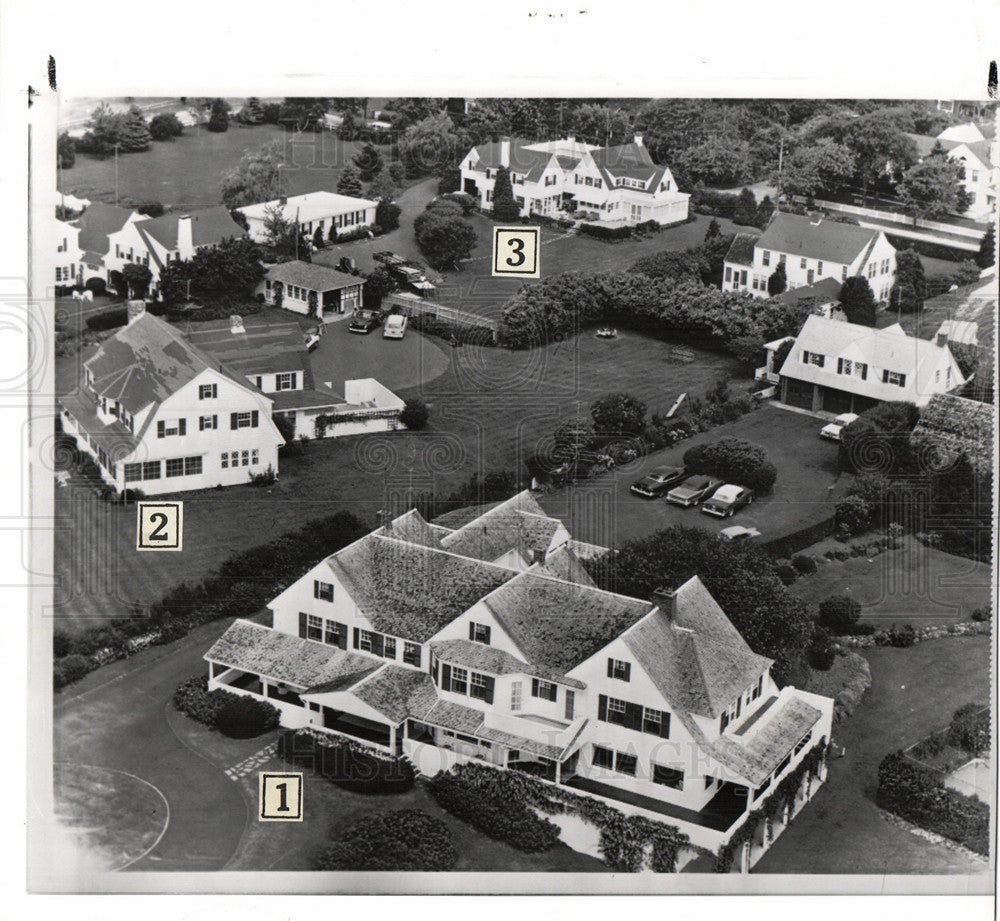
{"x":134,"y":310}
{"x":185,"y":237}
{"x":236,"y":324}
{"x":571,"y":139}
{"x":538,"y":556}
{"x":942,"y":337}
{"x":666,"y":600}
{"x":638,"y":140}
{"x":505,"y":152}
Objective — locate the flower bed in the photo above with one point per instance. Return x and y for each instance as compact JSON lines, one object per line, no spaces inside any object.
{"x":908,"y":635}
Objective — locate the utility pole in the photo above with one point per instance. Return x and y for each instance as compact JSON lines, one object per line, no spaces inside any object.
{"x":116,"y":175}
{"x":781,"y":160}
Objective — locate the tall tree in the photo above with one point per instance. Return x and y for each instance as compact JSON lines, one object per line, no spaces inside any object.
{"x":65,"y":151}
{"x":504,"y":206}
{"x":137,"y":277}
{"x":765,"y":211}
{"x":857,"y":301}
{"x":218,"y":119}
{"x":910,"y":285}
{"x":255,"y":178}
{"x":383,"y":187}
{"x":878,"y":146}
{"x":252,"y":112}
{"x":285,"y":240}
{"x":778,"y":281}
{"x":444,"y":239}
{"x":601,"y":124}
{"x":387,"y":215}
{"x":430,"y":146}
{"x":134,"y":134}
{"x":745,"y":211}
{"x":818,"y":167}
{"x":987,"y":249}
{"x":349,"y":182}
{"x":368,"y":162}
{"x":933,"y":188}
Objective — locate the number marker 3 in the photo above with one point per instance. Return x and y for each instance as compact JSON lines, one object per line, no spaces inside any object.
{"x":160,"y":526}
{"x":516,"y":251}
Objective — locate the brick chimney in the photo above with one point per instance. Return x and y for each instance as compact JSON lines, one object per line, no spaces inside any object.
{"x":185,"y":237}
{"x":941,"y":339}
{"x":666,"y":600}
{"x":505,"y":152}
{"x":134,"y":310}
{"x":637,"y":139}
{"x":538,"y":556}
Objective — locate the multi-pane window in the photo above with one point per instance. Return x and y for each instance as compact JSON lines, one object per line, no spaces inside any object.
{"x":478,"y":685}
{"x":813,"y":358}
{"x":208,"y":391}
{"x":619,"y":669}
{"x":758,"y":688}
{"x":653,"y":721}
{"x":893,"y":377}
{"x":244,"y":420}
{"x":766,"y":257}
{"x":225,"y":460}
{"x":411,"y":654}
{"x":208,"y":422}
{"x":133,"y":472}
{"x":245,"y":458}
{"x":802,"y":263}
{"x":668,"y":776}
{"x":151,"y":470}
{"x":459,"y":679}
{"x":284,"y":381}
{"x":164,"y":428}
{"x":616,"y":710}
{"x":625,"y":763}
{"x":254,"y":457}
{"x":389,"y":647}
{"x":365,"y":640}
{"x":479,"y":633}
{"x":175,"y":466}
{"x":801,"y":744}
{"x":322,"y":590}
{"x":335,"y":634}
{"x":603,"y":757}
{"x":819,"y":268}
{"x":546,"y":690}
{"x":515,"y":696}
{"x":314,"y":627}
{"x":192,"y":466}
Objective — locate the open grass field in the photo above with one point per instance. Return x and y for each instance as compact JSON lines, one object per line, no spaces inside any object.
{"x":489,"y":410}
{"x":187,"y":171}
{"x":914,"y":691}
{"x":603,"y":511}
{"x":915,"y":584}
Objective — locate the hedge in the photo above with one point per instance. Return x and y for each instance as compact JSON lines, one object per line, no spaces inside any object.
{"x":735,"y":461}
{"x":510,"y":822}
{"x":918,"y":794}
{"x":109,"y":319}
{"x":407,"y":840}
{"x":970,"y":729}
{"x":232,"y":714}
{"x":346,"y":763}
{"x":606,"y":233}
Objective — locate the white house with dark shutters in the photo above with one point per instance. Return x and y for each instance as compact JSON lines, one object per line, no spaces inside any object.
{"x":158,"y":414}
{"x":481,"y":635}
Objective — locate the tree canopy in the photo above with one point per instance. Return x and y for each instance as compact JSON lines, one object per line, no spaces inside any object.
{"x":618,"y":414}
{"x":504,"y":206}
{"x":933,"y":188}
{"x":255,"y":178}
{"x":857,"y":301}
{"x":909,"y":289}
{"x":444,"y":239}
{"x":228,"y":273}
{"x":349,"y":182}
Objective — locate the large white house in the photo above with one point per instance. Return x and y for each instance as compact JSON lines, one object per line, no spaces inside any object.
{"x":69,"y":255}
{"x":843,"y":367}
{"x":978,"y":155}
{"x":482,"y":636}
{"x":157,"y":413}
{"x":98,"y":223}
{"x":811,"y":248}
{"x":618,"y":185}
{"x":313,"y":210}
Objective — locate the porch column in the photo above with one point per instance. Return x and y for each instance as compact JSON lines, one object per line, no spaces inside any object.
{"x":745,"y":857}
{"x":784,"y":815}
{"x":817,"y":402}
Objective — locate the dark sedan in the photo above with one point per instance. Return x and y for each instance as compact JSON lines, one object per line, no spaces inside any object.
{"x":364,"y":321}
{"x":656,"y":483}
{"x":693,"y":490}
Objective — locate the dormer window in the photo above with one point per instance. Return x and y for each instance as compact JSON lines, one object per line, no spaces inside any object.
{"x":619,"y":669}
{"x":479,"y":633}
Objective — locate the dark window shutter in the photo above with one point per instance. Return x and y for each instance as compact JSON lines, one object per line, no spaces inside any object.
{"x":739,"y":705}
{"x":885,"y":375}
{"x":633,"y":716}
{"x":602,"y":707}
{"x":160,"y":426}
{"x":303,"y":622}
{"x":295,"y":381}
{"x":201,"y":423}
{"x":446,"y":676}
{"x":378,"y":643}
{"x":664,"y":725}
{"x":215,"y":422}
{"x":342,"y":636}
{"x":434,"y":668}
{"x":254,"y":418}
{"x":315,"y":588}
{"x":233,"y":424}
{"x":805,"y":357}
{"x":840,"y":365}
{"x":553,"y":692}
{"x":902,"y":380}
{"x":628,"y":671}
{"x":611,"y":668}
{"x":864,"y":372}
{"x":472,"y":630}
{"x":357,"y":636}
{"x":534,"y":687}
{"x":488,"y":690}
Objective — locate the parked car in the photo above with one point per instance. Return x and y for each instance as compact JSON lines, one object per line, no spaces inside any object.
{"x":389,"y":258}
{"x":395,"y":327}
{"x":364,"y":321}
{"x":833,"y":430}
{"x":738,"y":533}
{"x":656,"y":483}
{"x":727,"y":500}
{"x":693,"y":490}
{"x":312,"y":342}
{"x":347,"y":265}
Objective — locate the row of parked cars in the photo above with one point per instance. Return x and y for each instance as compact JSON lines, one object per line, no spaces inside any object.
{"x":679,"y":488}
{"x":364,"y":321}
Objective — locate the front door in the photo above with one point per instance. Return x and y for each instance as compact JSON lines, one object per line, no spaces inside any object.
{"x":810,"y":276}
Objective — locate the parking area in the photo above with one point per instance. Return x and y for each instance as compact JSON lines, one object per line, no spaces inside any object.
{"x":603,"y":511}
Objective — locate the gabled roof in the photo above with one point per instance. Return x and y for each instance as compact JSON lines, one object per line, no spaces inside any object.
{"x":311,"y":206}
{"x":312,"y":275}
{"x":290,"y":659}
{"x":97,"y":222}
{"x":564,"y":564}
{"x":628,"y":161}
{"x":741,"y":249}
{"x":523,"y":159}
{"x":147,"y":361}
{"x":411,"y":591}
{"x":518,"y":524}
{"x":265,"y":345}
{"x":696,"y":658}
{"x":557,"y":625}
{"x":413,"y":528}
{"x":208,"y":227}
{"x":82,"y":406}
{"x":494,"y":661}
{"x":826,"y":290}
{"x":458,"y":517}
{"x":829,"y":241}
{"x":398,"y":692}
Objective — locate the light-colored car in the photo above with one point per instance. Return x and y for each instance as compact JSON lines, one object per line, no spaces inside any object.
{"x":693,"y":490}
{"x":395,"y":327}
{"x":727,"y":500}
{"x":737,"y":532}
{"x":833,"y":430}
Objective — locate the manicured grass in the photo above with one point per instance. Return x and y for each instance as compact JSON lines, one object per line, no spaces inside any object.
{"x":914,"y":691}
{"x":187,"y":172}
{"x":604,"y":512}
{"x":915,"y":585}
{"x":115,"y":817}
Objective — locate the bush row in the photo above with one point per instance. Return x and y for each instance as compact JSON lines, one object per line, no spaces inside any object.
{"x":734,"y":461}
{"x":232,"y":714}
{"x":463,"y":333}
{"x":108,"y":319}
{"x":346,"y":763}
{"x":405,"y":840}
{"x":238,"y":588}
{"x":918,"y":794}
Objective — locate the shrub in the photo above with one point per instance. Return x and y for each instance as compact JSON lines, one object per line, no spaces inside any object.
{"x":96,"y":285}
{"x":266,"y":477}
{"x":406,"y":840}
{"x":415,"y":414}
{"x":918,"y":794}
{"x":348,"y":764}
{"x":735,"y":461}
{"x":445,"y":206}
{"x":507,"y":821}
{"x":970,"y":729}
{"x":853,"y":515}
{"x":71,"y":668}
{"x":840,"y":613}
{"x":600,"y":232}
{"x":165,"y":126}
{"x":245,"y":717}
{"x":980,"y":615}
{"x":821,"y":652}
{"x":468,"y":203}
{"x":109,"y":319}
{"x":193,"y":698}
{"x":786,"y":573}
{"x":804,"y":564}
{"x":902,"y":637}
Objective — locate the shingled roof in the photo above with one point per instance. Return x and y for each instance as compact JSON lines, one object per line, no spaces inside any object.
{"x":826,"y":240}
{"x":209,"y":227}
{"x":494,"y":661}
{"x":563,"y":563}
{"x":954,"y":425}
{"x":696,"y":657}
{"x":290,"y":659}
{"x":408,"y":590}
{"x":96,"y":223}
{"x":557,"y":625}
{"x":312,"y":275}
{"x":398,"y":692}
{"x":741,"y":249}
{"x":264,"y":345}
{"x":517,"y":524}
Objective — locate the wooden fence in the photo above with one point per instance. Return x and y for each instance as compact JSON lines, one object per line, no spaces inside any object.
{"x":413,"y":306}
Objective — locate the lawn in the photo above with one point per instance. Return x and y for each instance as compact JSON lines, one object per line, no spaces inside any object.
{"x":914,"y":691}
{"x":187,"y":172}
{"x":915,"y":584}
{"x":603,"y":510}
